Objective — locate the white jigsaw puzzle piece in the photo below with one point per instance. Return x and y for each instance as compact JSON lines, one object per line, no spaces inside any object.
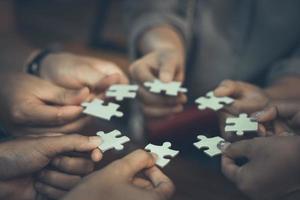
{"x":161,"y":152}
{"x":112,"y":140}
{"x":241,"y":124}
{"x":171,"y":89}
{"x":97,"y":108}
{"x":212,"y":102}
{"x":213,"y":145}
{"x":122,"y":91}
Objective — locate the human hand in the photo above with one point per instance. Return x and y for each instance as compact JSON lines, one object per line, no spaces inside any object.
{"x":119,"y":180}
{"x":285,"y":110}
{"x":272,"y":170}
{"x":30,"y":105}
{"x":22,"y":158}
{"x":76,"y":72}
{"x":248,"y":97}
{"x":166,"y":65}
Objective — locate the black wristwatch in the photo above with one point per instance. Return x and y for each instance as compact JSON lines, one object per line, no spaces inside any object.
{"x":34,"y":65}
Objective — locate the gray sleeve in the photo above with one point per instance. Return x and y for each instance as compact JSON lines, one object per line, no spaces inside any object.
{"x":287,"y":66}
{"x":141,"y":15}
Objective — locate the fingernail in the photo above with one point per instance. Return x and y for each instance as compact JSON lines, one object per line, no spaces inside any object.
{"x":95,"y":140}
{"x":165,"y":77}
{"x":258,"y":115}
{"x":218,"y":91}
{"x":223,"y":146}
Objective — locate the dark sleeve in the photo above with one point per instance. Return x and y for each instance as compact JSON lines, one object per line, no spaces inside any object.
{"x":141,"y":15}
{"x":288,"y":66}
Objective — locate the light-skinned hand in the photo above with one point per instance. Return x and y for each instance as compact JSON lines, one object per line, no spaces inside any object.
{"x":30,"y":105}
{"x":166,"y":65}
{"x":21,"y":159}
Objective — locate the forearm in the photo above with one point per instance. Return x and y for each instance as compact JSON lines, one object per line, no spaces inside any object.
{"x":159,"y":38}
{"x":285,"y":88}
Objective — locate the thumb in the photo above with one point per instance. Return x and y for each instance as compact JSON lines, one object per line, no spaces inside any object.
{"x":238,"y":149}
{"x":52,"y":146}
{"x":134,"y":163}
{"x":230,"y":153}
{"x":167,"y":71}
{"x":61,"y":96}
{"x":228,"y":88}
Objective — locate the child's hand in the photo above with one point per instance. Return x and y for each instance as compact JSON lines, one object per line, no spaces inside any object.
{"x":119,"y":180}
{"x":166,"y":65}
{"x":248,"y":98}
{"x":272,"y":169}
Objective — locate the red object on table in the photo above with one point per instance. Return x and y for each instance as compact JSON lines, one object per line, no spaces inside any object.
{"x":189,"y":122}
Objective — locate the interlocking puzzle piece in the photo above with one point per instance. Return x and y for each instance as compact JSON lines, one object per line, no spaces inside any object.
{"x":97,"y":108}
{"x":161,"y":152}
{"x":213,"y":102}
{"x":213,"y":145}
{"x":112,"y":140}
{"x":120,"y":92}
{"x":240,"y":124}
{"x":171,"y":89}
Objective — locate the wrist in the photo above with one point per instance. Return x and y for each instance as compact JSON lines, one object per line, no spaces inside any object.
{"x":161,"y":38}
{"x":34,"y":62}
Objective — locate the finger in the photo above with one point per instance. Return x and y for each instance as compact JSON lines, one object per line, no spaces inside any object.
{"x":88,"y":76}
{"x":287,"y":109}
{"x":72,"y":127}
{"x":141,"y":73}
{"x":106,"y":82}
{"x":73,"y":165}
{"x":157,"y":99}
{"x":268,"y":114}
{"x":52,"y":146}
{"x":241,"y":106}
{"x":157,"y":112}
{"x":168,"y":69}
{"x":162,"y":184}
{"x":228,"y":88}
{"x":58,"y":179}
{"x":96,"y":155}
{"x":60,"y":96}
{"x":135,"y":162}
{"x":262,"y":131}
{"x":40,"y":114}
{"x":229,"y":168}
{"x":49,"y":192}
{"x":142,"y":183}
{"x":239,"y":149}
